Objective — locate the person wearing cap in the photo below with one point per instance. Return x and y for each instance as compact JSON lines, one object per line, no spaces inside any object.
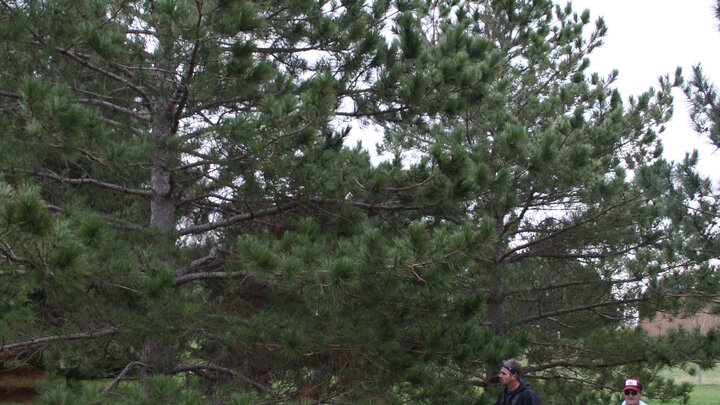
{"x":632,"y":392}
{"x":516,"y":392}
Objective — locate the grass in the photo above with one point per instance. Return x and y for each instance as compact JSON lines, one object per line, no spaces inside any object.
{"x":706,"y":393}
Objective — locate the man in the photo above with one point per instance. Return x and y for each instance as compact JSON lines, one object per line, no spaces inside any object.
{"x":632,"y":392}
{"x":516,"y":392}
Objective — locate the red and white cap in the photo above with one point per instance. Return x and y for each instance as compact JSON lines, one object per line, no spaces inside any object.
{"x":633,"y":384}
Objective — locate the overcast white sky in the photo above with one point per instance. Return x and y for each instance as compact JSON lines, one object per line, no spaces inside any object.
{"x":649,"y":38}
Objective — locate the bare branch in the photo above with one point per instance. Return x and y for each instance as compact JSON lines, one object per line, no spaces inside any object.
{"x":187,"y":278}
{"x":120,"y":376}
{"x":38,"y":341}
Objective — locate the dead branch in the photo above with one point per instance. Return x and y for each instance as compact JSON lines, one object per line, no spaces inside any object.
{"x":120,"y":376}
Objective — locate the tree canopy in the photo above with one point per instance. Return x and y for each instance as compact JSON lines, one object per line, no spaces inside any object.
{"x":178,"y":197}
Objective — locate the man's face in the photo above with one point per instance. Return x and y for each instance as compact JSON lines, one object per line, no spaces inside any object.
{"x":632,"y":396}
{"x":505,"y":376}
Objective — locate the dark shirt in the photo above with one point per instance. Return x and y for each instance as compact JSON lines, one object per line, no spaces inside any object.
{"x":521,"y":395}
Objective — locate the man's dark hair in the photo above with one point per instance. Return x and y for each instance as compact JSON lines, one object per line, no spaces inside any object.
{"x":514,"y":367}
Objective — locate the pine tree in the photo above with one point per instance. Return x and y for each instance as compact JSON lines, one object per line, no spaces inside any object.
{"x":177,"y":198}
{"x":586,"y":235}
{"x":704,"y":101}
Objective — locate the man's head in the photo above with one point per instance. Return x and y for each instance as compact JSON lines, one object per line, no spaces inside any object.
{"x":510,"y":373}
{"x":632,"y":391}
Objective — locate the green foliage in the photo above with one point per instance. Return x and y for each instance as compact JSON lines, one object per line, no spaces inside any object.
{"x":193,"y":199}
{"x":27,"y":212}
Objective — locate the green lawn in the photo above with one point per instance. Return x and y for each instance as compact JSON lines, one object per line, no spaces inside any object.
{"x":707,"y":393}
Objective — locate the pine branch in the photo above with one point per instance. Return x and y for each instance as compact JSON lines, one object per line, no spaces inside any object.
{"x":553,"y":255}
{"x":524,"y":211}
{"x":210,"y":259}
{"x":9,"y":95}
{"x":13,"y":273}
{"x":9,"y":255}
{"x":207,"y":275}
{"x":568,"y":378}
{"x":693,"y":294}
{"x":371,"y":113}
{"x":401,"y":189}
{"x":592,"y":353}
{"x":38,"y":341}
{"x":217,"y":103}
{"x":118,"y":224}
{"x":577,"y":309}
{"x":235,"y":219}
{"x":82,"y":60}
{"x":566,"y":229}
{"x":375,"y":207}
{"x":114,"y":107}
{"x":575,"y":284}
{"x":182,"y":91}
{"x":116,"y":124}
{"x":274,"y":50}
{"x":185,"y":368}
{"x":50,"y":175}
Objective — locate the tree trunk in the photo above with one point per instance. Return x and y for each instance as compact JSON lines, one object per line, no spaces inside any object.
{"x":162,"y":206}
{"x":158,"y":355}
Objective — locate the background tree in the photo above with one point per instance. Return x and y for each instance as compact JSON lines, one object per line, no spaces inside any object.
{"x":586,"y":236}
